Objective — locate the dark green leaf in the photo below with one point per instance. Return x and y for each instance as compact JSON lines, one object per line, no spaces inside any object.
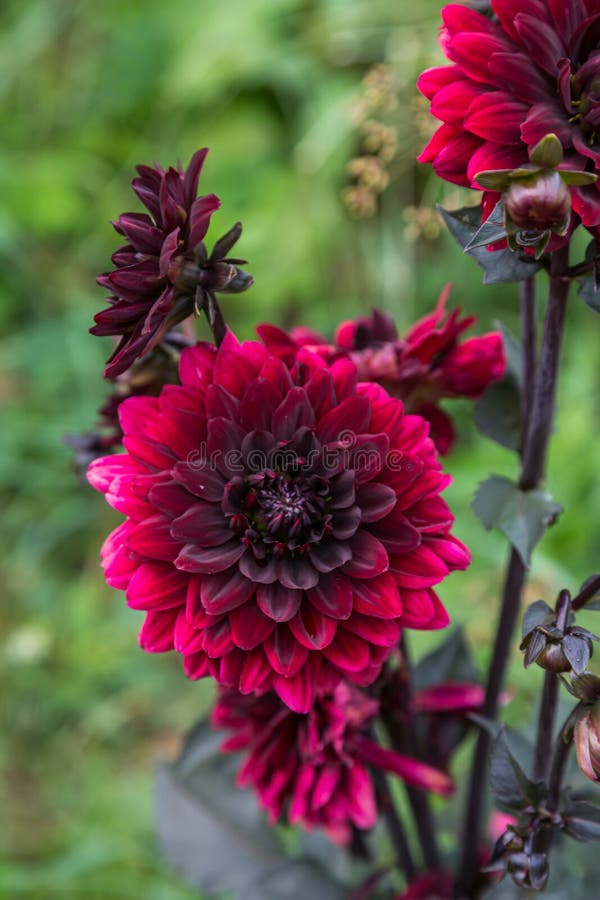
{"x":508,"y":781}
{"x":538,"y":613}
{"x":449,"y":661}
{"x":589,"y":293}
{"x":522,"y":516}
{"x":577,"y":651}
{"x":216,"y":836}
{"x":500,"y":266}
{"x":535,"y":645}
{"x":490,"y":231}
{"x":497,"y":414}
{"x":582,"y":821}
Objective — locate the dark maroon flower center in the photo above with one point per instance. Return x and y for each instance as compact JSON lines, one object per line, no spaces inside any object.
{"x":283,"y":512}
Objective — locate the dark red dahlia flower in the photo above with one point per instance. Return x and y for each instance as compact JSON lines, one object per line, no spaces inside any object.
{"x":429,"y":363}
{"x":429,"y":886}
{"x":313,"y":767}
{"x":532,"y":70}
{"x":283,"y":524}
{"x":164,"y":272}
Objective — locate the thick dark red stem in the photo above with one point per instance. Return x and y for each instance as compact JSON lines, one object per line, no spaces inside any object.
{"x":537,"y":429}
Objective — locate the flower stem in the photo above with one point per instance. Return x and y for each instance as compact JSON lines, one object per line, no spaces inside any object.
{"x":536,"y":435}
{"x":394,"y":824}
{"x":583,"y":596}
{"x":404,"y":741}
{"x":549,"y":701}
{"x":528,"y":337}
{"x":559,"y":763}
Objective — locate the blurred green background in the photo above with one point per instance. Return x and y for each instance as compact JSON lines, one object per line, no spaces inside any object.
{"x":275,"y":89}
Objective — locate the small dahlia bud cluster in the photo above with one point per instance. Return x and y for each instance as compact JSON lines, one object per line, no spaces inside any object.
{"x":515,"y":854}
{"x":536,"y":196}
{"x":586,"y":736}
{"x":552,"y":643}
{"x":369,"y":170}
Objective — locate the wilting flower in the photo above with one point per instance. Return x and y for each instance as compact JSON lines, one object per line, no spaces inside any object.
{"x":531,"y":71}
{"x":313,"y":768}
{"x":429,"y":886}
{"x":429,"y":363}
{"x":283,"y":524}
{"x":587,"y":741}
{"x":164,"y":272}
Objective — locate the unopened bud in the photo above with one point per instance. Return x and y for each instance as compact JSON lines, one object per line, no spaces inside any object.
{"x":540,"y":203}
{"x":586,"y":737}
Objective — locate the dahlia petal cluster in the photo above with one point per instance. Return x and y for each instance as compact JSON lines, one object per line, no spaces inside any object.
{"x":531,"y":70}
{"x":283,"y":524}
{"x":148,"y":266}
{"x":430,"y":362}
{"x":314,"y":768}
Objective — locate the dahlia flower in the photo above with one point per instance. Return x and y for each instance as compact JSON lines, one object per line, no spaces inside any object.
{"x":531,"y":70}
{"x":429,"y":886}
{"x":282,"y":524}
{"x":314,"y":767}
{"x":164,"y":272}
{"x":427,"y":364}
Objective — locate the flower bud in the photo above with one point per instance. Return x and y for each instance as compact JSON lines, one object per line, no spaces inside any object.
{"x":539,"y":203}
{"x":587,"y":741}
{"x":553,"y":659}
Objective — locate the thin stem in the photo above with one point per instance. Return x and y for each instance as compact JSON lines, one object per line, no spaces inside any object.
{"x":559,"y":764}
{"x":528,"y":337}
{"x":549,"y":701}
{"x":583,"y":596}
{"x":539,"y":426}
{"x":394,"y":824}
{"x":537,"y":430}
{"x":404,"y":741}
{"x":546,"y":718}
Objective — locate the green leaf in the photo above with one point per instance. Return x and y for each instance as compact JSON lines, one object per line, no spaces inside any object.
{"x":490,"y":231}
{"x":217,"y":837}
{"x":582,"y":821}
{"x":508,"y":781}
{"x":522,"y":516}
{"x":538,"y":613}
{"x":589,"y":293}
{"x":578,"y":652}
{"x":497,"y":414}
{"x":500,"y":266}
{"x":449,"y":661}
{"x":589,"y":285}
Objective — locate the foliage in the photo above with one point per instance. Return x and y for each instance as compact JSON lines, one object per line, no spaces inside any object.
{"x":88,"y":89}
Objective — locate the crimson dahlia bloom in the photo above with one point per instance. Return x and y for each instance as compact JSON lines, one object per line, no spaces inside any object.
{"x":282,"y":524}
{"x":313,"y":767}
{"x":429,"y":886}
{"x":147,"y":299}
{"x":533,"y":70}
{"x":429,"y":363}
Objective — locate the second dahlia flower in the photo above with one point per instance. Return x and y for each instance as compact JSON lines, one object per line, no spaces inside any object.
{"x":313,"y":768}
{"x":531,"y":70}
{"x":430,"y":362}
{"x":282,"y":524}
